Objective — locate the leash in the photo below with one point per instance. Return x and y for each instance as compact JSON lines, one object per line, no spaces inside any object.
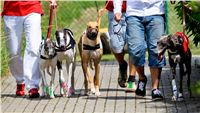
{"x":101,"y":12}
{"x":55,"y":16}
{"x":184,"y":23}
{"x":50,"y":23}
{"x":52,"y":10}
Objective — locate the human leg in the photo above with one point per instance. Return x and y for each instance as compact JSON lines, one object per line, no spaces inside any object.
{"x":32,"y":28}
{"x":155,"y":29}
{"x":117,"y":41}
{"x":13,"y":32}
{"x":131,"y":86}
{"x":137,"y":48}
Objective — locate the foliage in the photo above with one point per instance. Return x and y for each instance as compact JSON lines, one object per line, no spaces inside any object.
{"x":192,"y":18}
{"x":196,"y":87}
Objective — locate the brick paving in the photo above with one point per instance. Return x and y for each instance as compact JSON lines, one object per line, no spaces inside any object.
{"x":113,"y":99}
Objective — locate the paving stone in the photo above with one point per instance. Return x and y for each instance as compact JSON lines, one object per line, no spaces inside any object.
{"x":112,"y":99}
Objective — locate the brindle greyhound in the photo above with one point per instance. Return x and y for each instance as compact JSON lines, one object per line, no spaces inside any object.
{"x":179,"y":53}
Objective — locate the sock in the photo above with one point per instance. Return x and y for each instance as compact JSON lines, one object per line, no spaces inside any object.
{"x":123,"y":66}
{"x":131,"y":78}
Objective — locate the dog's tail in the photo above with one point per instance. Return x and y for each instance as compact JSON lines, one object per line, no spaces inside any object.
{"x":91,"y":66}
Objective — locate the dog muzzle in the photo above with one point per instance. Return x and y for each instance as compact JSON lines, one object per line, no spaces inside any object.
{"x":92,"y":35}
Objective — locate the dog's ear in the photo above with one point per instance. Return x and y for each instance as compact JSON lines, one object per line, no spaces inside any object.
{"x":65,"y":31}
{"x":88,"y":25}
{"x":56,"y":33}
{"x":169,"y":37}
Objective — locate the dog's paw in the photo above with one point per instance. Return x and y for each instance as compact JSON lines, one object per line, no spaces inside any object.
{"x":93,"y":90}
{"x":70,"y":92}
{"x":62,"y":93}
{"x":52,"y":96}
{"x":97,"y":93}
{"x":42,"y":95}
{"x":51,"y":93}
{"x":180,"y":97}
{"x":174,"y":98}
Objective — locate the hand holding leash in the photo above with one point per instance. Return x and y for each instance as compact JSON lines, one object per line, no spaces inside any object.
{"x":118,"y":17}
{"x":53,"y":3}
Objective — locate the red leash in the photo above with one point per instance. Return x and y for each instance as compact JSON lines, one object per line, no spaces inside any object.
{"x":52,"y":10}
{"x":55,"y":16}
{"x":100,"y":13}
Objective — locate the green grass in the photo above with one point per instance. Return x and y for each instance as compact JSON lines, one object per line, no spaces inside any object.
{"x":72,"y":14}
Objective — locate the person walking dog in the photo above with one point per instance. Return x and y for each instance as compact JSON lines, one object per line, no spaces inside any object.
{"x":118,"y":41}
{"x":24,"y":17}
{"x":145,"y":25}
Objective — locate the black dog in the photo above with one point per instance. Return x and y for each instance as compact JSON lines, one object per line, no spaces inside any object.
{"x":179,"y":53}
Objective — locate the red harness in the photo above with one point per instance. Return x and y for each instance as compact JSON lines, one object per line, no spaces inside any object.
{"x":185,"y":40}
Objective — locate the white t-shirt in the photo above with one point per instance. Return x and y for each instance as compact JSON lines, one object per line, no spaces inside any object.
{"x":141,"y":7}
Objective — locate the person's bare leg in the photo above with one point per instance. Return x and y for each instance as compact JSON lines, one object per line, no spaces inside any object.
{"x":131,"y":86}
{"x":141,"y":74}
{"x":122,"y":78}
{"x":132,"y":68}
{"x":119,"y":57}
{"x":155,"y":75}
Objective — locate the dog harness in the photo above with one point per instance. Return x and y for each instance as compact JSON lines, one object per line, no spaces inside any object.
{"x":88,"y":47}
{"x":185,"y":41}
{"x":45,"y":58}
{"x":69,"y":46}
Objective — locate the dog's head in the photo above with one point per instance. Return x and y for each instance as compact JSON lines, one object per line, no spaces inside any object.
{"x":48,"y":49}
{"x":170,"y":42}
{"x":63,"y":38}
{"x":92,"y":30}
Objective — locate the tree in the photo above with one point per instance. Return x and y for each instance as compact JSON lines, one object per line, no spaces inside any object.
{"x":192,"y":18}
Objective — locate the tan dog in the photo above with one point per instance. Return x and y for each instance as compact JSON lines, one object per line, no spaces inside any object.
{"x":90,"y":49}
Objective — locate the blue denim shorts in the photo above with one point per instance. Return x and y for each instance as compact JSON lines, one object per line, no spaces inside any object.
{"x":116,"y":32}
{"x":142,"y":34}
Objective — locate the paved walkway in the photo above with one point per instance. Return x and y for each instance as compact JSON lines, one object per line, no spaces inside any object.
{"x":112,"y":99}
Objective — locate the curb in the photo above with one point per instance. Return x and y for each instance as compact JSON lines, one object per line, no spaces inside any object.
{"x":196,"y":61}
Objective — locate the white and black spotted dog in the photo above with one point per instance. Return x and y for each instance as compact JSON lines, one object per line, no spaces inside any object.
{"x":66,"y":51}
{"x":48,"y":61}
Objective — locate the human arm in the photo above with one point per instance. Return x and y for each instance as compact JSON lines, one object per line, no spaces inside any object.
{"x":117,"y":9}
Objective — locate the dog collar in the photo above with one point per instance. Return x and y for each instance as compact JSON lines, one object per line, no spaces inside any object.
{"x":88,"y":47}
{"x":69,"y":46}
{"x":45,"y":58}
{"x":172,"y":52}
{"x":65,"y":49}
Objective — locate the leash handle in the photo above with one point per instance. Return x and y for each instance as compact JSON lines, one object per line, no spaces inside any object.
{"x":50,"y":23}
